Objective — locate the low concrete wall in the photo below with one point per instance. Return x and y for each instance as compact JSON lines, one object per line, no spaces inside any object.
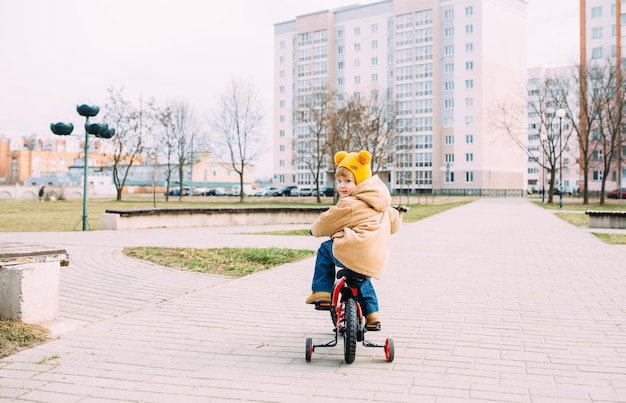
{"x":207,"y":217}
{"x":29,"y":282}
{"x":607,"y":219}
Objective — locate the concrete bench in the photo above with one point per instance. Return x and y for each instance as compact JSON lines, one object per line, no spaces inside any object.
{"x":204,"y":217}
{"x":29,"y":281}
{"x":607,"y":219}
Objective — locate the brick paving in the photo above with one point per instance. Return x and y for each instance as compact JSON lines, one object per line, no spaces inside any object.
{"x":498,"y":300}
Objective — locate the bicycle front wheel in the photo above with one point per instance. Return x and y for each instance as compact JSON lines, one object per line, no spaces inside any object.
{"x":350,"y":333}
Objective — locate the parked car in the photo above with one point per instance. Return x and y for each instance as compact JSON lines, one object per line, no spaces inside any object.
{"x":325,"y":191}
{"x":176,"y":191}
{"x":613,"y":194}
{"x":273,"y":191}
{"x":260,"y":192}
{"x":200,"y":191}
{"x":305,"y":192}
{"x":216,"y":192}
{"x":288,"y":191}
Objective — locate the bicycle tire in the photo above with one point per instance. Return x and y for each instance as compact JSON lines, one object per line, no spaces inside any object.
{"x":350,"y":333}
{"x":309,"y":349}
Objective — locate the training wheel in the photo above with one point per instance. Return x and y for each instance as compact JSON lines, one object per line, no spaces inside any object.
{"x":309,"y":349}
{"x":389,"y":350}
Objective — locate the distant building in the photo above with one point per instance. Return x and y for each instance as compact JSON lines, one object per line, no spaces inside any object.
{"x":35,"y":162}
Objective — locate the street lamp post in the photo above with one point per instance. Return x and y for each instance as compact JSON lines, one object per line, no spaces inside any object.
{"x":559,"y":114}
{"x":96,"y":129}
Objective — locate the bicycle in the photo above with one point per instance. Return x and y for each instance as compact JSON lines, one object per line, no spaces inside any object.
{"x":348,"y":319}
{"x":347,"y":316}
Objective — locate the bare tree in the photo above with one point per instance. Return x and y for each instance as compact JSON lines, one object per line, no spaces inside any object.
{"x":546,"y":96}
{"x":166,"y":144}
{"x":311,"y":120}
{"x":377,"y":130}
{"x":236,"y":122}
{"x":132,"y":127}
{"x":183,"y":128}
{"x":606,"y":100}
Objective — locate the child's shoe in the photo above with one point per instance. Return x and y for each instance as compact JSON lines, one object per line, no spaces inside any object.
{"x":372,"y":322}
{"x":317,"y":297}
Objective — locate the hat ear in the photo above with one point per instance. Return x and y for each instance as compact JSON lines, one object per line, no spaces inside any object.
{"x":340,"y":156}
{"x":364,"y":157}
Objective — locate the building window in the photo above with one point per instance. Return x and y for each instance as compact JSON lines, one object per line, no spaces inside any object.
{"x":374,"y":27}
{"x":469,"y":138}
{"x":448,"y":15}
{"x":469,"y":83}
{"x":469,"y":47}
{"x":469,"y":66}
{"x":596,"y":12}
{"x":449,"y":158}
{"x":596,"y":53}
{"x":281,"y":133}
{"x":469,"y":177}
{"x":374,"y":77}
{"x":448,"y":104}
{"x":596,"y":176}
{"x":469,"y":29}
{"x":469,"y":11}
{"x":374,"y":44}
{"x":469,"y":102}
{"x":448,"y":86}
{"x":281,"y":148}
{"x":357,"y":79}
{"x":448,"y":32}
{"x":357,"y":47}
{"x":596,"y":33}
{"x":469,"y":120}
{"x":340,"y":66}
{"x":448,"y":50}
{"x":469,"y":157}
{"x":448,"y":67}
{"x":374,"y":61}
{"x":449,"y":140}
{"x":449,"y":177}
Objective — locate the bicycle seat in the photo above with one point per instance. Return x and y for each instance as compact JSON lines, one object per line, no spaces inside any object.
{"x":352,"y":275}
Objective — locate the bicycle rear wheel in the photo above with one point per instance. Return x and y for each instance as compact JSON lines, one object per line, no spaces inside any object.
{"x":350,"y":331}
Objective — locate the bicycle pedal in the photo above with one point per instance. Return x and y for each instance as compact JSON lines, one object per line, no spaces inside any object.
{"x":322,"y":306}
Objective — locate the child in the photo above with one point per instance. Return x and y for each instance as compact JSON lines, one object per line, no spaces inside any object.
{"x":360,"y":226}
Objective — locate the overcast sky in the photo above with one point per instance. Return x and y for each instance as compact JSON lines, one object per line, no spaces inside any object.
{"x":56,"y":54}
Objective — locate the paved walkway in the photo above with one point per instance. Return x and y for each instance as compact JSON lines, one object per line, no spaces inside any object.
{"x":497,"y":300}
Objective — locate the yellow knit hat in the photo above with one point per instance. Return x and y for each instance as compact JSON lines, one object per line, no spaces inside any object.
{"x":357,"y":163}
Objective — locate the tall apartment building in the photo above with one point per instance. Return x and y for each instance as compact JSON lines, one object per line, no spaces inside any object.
{"x":446,"y":63}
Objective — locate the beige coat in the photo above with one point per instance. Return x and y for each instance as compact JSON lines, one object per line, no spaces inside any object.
{"x":361,"y":225}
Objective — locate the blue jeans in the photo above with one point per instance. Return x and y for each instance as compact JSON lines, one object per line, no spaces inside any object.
{"x":324,"y":278}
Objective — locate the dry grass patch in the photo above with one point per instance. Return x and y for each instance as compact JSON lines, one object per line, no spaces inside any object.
{"x":16,"y":336}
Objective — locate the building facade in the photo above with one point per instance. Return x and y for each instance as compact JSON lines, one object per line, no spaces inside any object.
{"x":446,"y":65}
